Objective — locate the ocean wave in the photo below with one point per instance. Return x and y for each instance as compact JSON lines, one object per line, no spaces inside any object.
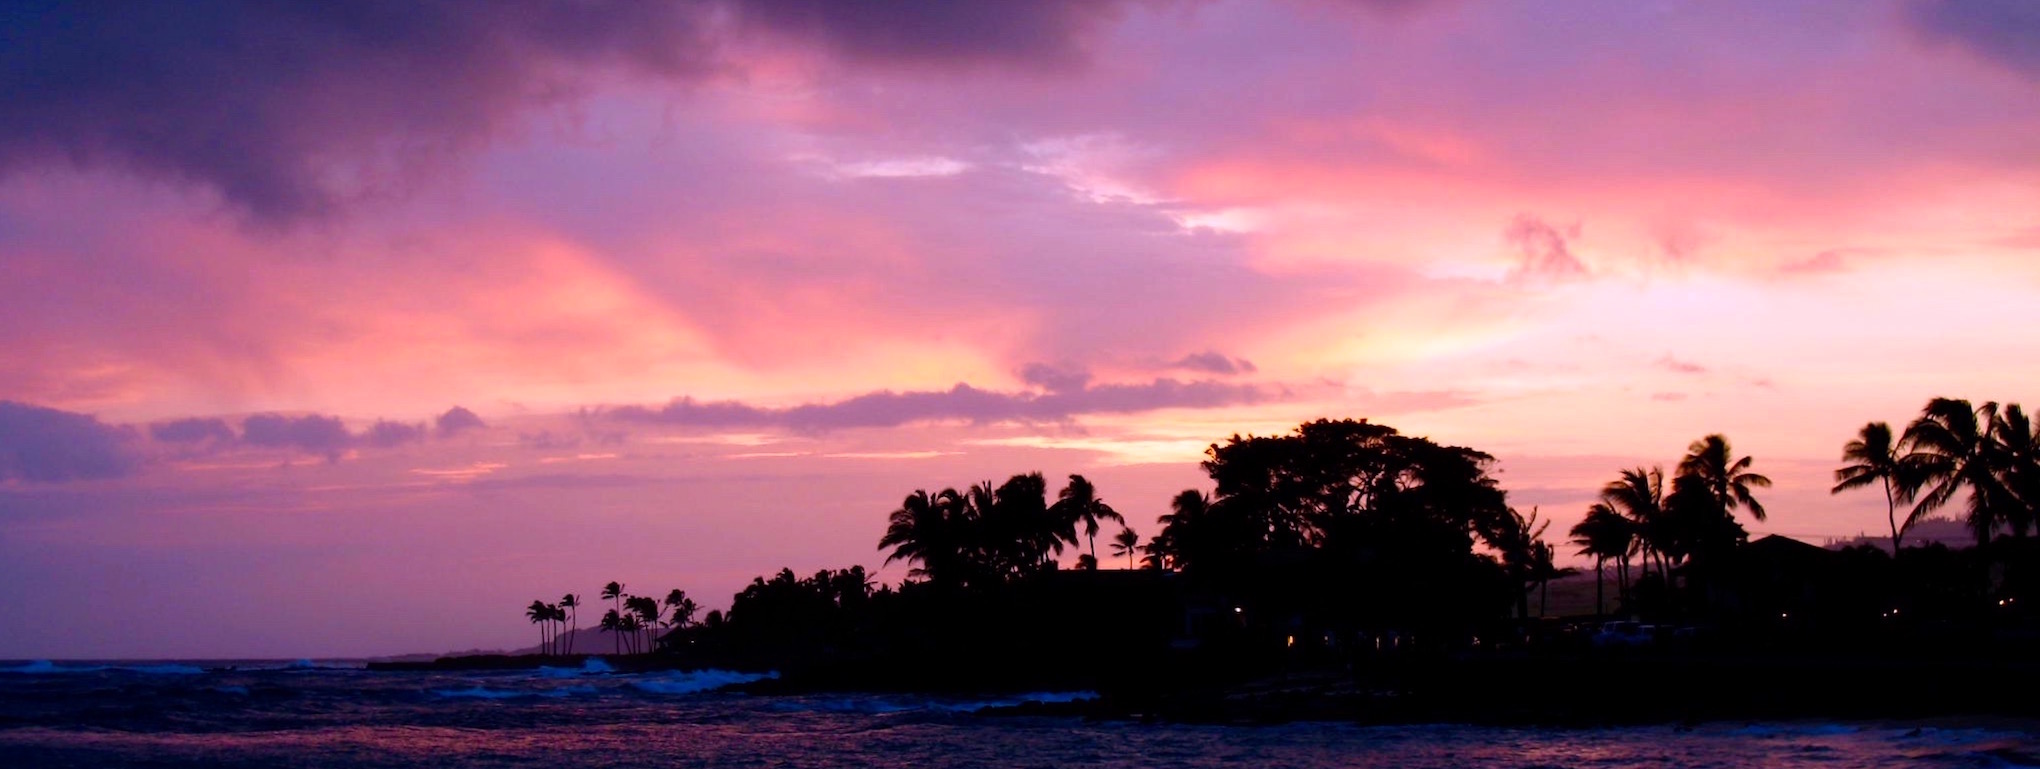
{"x":695,"y":681}
{"x":481,"y":693}
{"x":888,"y":704}
{"x":592,"y":666}
{"x":46,"y":667}
{"x":1797,"y":730}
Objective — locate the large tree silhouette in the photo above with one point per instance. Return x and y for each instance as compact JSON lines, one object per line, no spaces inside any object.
{"x":1727,"y":480}
{"x":1950,"y":445}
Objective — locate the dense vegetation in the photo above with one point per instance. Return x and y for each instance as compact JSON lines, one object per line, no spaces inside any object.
{"x":1346,"y":538}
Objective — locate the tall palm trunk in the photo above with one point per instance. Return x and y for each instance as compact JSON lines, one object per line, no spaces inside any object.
{"x":1891,"y":514}
{"x":1600,"y":584}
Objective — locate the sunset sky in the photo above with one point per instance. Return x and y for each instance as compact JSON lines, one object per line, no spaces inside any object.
{"x":350,"y":329}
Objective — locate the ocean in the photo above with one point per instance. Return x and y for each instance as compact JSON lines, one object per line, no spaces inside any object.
{"x":311,"y":714}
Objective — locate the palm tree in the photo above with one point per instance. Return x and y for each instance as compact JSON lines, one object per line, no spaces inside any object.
{"x":612,"y":622}
{"x":682,"y":607}
{"x":2018,"y":443}
{"x":614,"y":592}
{"x":1545,"y":568}
{"x":1604,"y":535}
{"x":1125,"y":543}
{"x":925,"y":530}
{"x":539,"y":615}
{"x":627,"y":626}
{"x":571,"y":603}
{"x":1950,"y":446}
{"x":1515,"y":537}
{"x":1639,"y":496}
{"x":559,"y":623}
{"x":645,"y":610}
{"x":1183,"y":534}
{"x":1727,"y":481}
{"x":1876,"y":459}
{"x":1079,"y":503}
{"x":1087,"y":562}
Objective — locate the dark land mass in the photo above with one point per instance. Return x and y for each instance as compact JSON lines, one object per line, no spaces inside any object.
{"x":1346,"y":571}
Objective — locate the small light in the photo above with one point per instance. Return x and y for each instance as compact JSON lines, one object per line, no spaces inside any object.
{"x":1783,"y":615}
{"x":1238,"y":610}
{"x":1292,"y":642}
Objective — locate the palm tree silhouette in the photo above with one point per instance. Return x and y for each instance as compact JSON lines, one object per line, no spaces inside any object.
{"x":1950,"y":445}
{"x":682,"y":607}
{"x":1727,"y":481}
{"x":1516,"y":537}
{"x":1639,"y":496}
{"x":612,"y":622}
{"x":1078,"y":502}
{"x":644,"y":610}
{"x":540,"y":616}
{"x":1183,"y":539}
{"x":571,"y":603}
{"x":1126,"y":543}
{"x":1875,"y":459}
{"x":614,"y":592}
{"x":2018,"y":443}
{"x":925,"y":531}
{"x":1605,"y":534}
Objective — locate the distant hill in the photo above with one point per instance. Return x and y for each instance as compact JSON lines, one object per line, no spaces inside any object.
{"x":586,"y":640}
{"x":1944,"y":531}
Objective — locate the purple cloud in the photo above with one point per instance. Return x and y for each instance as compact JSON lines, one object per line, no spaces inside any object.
{"x":312,"y":433}
{"x":193,"y":430}
{"x":1055,"y":379}
{"x":269,"y":104}
{"x":1214,"y":363}
{"x":962,"y":403}
{"x":45,"y":445}
{"x":2002,"y":32}
{"x":1543,"y":251}
{"x":456,"y":420}
{"x":386,"y":434}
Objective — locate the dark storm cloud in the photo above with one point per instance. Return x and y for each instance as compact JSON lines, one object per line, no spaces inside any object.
{"x":291,"y":109}
{"x":46,"y":445}
{"x":961,"y":403}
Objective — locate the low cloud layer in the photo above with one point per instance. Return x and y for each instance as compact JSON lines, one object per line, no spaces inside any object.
{"x":45,"y":445}
{"x":962,"y":403}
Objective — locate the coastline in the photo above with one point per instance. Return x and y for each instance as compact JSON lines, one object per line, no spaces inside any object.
{"x":1569,"y":690}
